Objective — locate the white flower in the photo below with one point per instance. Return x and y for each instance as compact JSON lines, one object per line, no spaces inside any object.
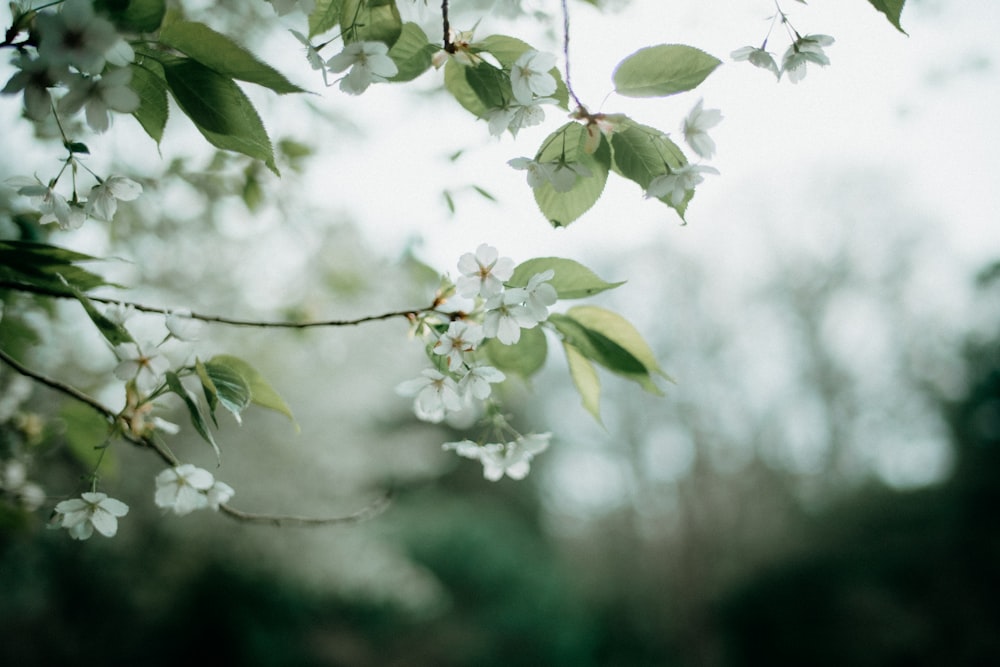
{"x":808,"y":49}
{"x":506,"y":315}
{"x":476,"y":382}
{"x":515,"y":116}
{"x":78,"y":37}
{"x":183,"y":488}
{"x":34,"y":77}
{"x":676,"y":183}
{"x":219,"y":494}
{"x":98,"y":95}
{"x":564,"y":174}
{"x":369,"y":63}
{"x":119,"y":312}
{"x":696,"y":127}
{"x":530,"y":77}
{"x":512,"y":459}
{"x":540,"y":295}
{"x":80,"y":516}
{"x":460,"y":337}
{"x":757,"y":57}
{"x":146,"y":369}
{"x":435,"y":393}
{"x":483,"y":273}
{"x":312,"y":54}
{"x":539,"y":173}
{"x":102,"y":203}
{"x":182,"y":327}
{"x":52,"y":205}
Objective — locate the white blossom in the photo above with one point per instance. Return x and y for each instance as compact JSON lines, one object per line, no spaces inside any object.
{"x":506,"y":315}
{"x":93,"y":510}
{"x":312,"y":54}
{"x":562,"y":175}
{"x":530,"y":77}
{"x":146,"y":369}
{"x":676,"y":184}
{"x":483,"y":273}
{"x":119,"y":312}
{"x":219,"y":494}
{"x":99,"y":95}
{"x":757,"y":57}
{"x":539,"y":173}
{"x":460,"y":337}
{"x":34,"y":76}
{"x":183,"y":489}
{"x":102,"y":203}
{"x":77,"y":36}
{"x":477,"y":380}
{"x":696,"y":126}
{"x":512,"y":458}
{"x":369,"y":63}
{"x":808,"y":49}
{"x":435,"y":393}
{"x":181,"y":325}
{"x":515,"y":116}
{"x":540,"y":295}
{"x":52,"y":205}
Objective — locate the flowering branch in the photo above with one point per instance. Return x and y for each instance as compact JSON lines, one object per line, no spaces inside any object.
{"x":408,"y":314}
{"x":370,"y":511}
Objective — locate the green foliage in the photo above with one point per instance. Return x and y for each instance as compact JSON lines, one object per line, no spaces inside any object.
{"x":667,"y":69}
{"x":572,"y":280}
{"x":892,"y":10}
{"x":47,"y":267}
{"x":508,"y":49}
{"x":641,"y":153}
{"x":194,"y":411}
{"x":261,"y":392}
{"x":134,"y":15}
{"x":149,"y":83}
{"x":113,"y":332}
{"x":585,"y":379}
{"x":219,"y":109}
{"x":567,"y":145}
{"x":223,"y":55}
{"x":325,"y":16}
{"x":525,"y":357}
{"x":370,"y":21}
{"x":412,"y":53}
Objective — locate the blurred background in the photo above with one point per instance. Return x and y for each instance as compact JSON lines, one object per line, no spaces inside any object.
{"x":813,"y":490}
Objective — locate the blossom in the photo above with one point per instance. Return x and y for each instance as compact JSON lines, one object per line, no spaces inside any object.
{"x":512,"y":458}
{"x":104,"y":197}
{"x":757,"y":57}
{"x":219,"y":494}
{"x":146,"y":369}
{"x":477,"y":380}
{"x":181,"y":326}
{"x":675,"y":184}
{"x":483,"y":273}
{"x":460,"y":337}
{"x":80,"y":516}
{"x":34,"y":77}
{"x":312,"y":53}
{"x":461,"y":44}
{"x":563,"y":175}
{"x":99,"y":95}
{"x":52,"y":205}
{"x":369,"y":63}
{"x":119,"y":312}
{"x":696,"y":126}
{"x":540,"y":295}
{"x":515,"y":116}
{"x":78,"y":37}
{"x":539,"y":173}
{"x":805,"y":50}
{"x":506,"y":315}
{"x":530,"y":77}
{"x":183,"y":488}
{"x":435,"y":393}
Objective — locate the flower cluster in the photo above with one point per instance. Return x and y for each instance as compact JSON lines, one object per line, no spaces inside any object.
{"x":93,"y":510}
{"x":803,"y":50}
{"x":532,"y":85}
{"x":186,"y":488}
{"x":677,"y":182}
{"x":509,"y":458}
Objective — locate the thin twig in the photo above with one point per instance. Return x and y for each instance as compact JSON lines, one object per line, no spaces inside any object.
{"x":569,"y":83}
{"x":370,"y":511}
{"x":408,"y":314}
{"x":448,"y":45}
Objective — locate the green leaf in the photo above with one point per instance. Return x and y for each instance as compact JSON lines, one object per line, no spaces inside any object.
{"x":149,"y":84}
{"x":641,"y":153}
{"x":596,"y":346}
{"x":216,"y":51}
{"x":657,"y":71}
{"x":325,"y":16}
{"x":456,"y":83}
{"x":892,"y":10}
{"x":572,"y":280}
{"x":261,"y":392}
{"x":412,"y":53}
{"x":227,"y":385}
{"x":113,"y":332}
{"x":525,"y":357}
{"x":197,"y":418}
{"x":134,"y":15}
{"x":620,"y":331}
{"x":567,"y":145}
{"x":491,"y":85}
{"x":508,"y":49}
{"x":46,"y":266}
{"x":219,"y":109}
{"x":370,"y":21}
{"x":585,"y":379}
